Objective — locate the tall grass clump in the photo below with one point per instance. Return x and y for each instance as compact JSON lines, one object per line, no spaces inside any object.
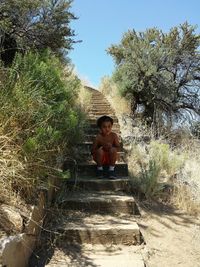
{"x":40,"y":117}
{"x":147,"y":181}
{"x":84,"y":98}
{"x":109,"y":88}
{"x":154,"y":165}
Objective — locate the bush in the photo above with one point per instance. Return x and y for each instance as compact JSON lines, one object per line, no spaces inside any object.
{"x":147,"y":182}
{"x":39,"y":112}
{"x":168,"y":160}
{"x":110,"y":90}
{"x":154,"y":165}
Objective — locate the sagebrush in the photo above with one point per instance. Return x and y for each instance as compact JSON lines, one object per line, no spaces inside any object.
{"x":39,"y":113}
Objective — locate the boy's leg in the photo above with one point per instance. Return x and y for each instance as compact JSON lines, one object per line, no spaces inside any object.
{"x":99,"y":157}
{"x":99,"y":160}
{"x":113,"y":158}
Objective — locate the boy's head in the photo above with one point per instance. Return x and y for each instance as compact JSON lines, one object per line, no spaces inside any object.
{"x":105,"y":123}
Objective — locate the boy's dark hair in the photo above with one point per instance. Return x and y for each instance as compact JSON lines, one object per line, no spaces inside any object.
{"x":104,"y":119}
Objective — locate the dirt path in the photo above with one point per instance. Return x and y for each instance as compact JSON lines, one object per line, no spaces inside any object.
{"x":172,"y":237}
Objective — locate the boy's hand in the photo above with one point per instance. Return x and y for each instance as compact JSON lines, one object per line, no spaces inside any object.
{"x":107,"y":146}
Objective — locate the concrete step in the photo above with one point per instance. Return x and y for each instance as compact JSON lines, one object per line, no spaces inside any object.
{"x":99,"y":202}
{"x":100,"y":102}
{"x":89,"y":137}
{"x":99,"y":99}
{"x":82,"y":227}
{"x":100,"y":106}
{"x":102,"y":110}
{"x":98,"y":95}
{"x":95,"y":97}
{"x":92,"y":116}
{"x":96,"y":256}
{"x":94,"y":184}
{"x":97,"y":107}
{"x":90,"y":169}
{"x":101,"y":113}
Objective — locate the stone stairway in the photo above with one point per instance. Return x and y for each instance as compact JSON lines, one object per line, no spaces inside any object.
{"x":94,"y":222}
{"x":99,"y":106}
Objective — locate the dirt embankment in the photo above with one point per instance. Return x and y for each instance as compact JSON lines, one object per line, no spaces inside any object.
{"x":172,"y":236}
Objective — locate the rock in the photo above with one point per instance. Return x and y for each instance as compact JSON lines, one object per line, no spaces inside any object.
{"x":10,"y":219}
{"x":3,"y":244}
{"x":16,"y":250}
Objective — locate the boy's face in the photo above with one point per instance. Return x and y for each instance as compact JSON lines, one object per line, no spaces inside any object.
{"x":106,"y":127}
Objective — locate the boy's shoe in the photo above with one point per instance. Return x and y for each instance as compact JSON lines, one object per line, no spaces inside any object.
{"x":99,"y":174}
{"x":112,"y":174}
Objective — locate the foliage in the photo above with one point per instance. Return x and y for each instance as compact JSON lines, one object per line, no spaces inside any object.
{"x":35,"y":24}
{"x":153,"y":165}
{"x":148,"y":180}
{"x":39,"y":112}
{"x":168,"y":160}
{"x":159,"y":71}
{"x":84,"y":98}
{"x":109,"y":89}
{"x":183,"y":198}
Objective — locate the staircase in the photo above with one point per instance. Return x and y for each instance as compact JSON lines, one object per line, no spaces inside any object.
{"x":99,"y":107}
{"x":94,"y":223}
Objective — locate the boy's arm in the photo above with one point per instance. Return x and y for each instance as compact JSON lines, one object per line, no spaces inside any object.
{"x":116,"y":142}
{"x":95,"y":145}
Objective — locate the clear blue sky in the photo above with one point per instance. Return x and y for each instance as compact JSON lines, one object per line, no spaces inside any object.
{"x":103,"y":22}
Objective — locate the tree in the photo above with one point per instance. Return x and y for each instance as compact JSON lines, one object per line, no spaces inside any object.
{"x":35,"y":24}
{"x":160,"y":71}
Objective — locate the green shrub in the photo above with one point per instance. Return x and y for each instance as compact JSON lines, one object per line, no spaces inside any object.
{"x":39,"y":110}
{"x":147,"y":182}
{"x":165,"y":158}
{"x":153,"y":165}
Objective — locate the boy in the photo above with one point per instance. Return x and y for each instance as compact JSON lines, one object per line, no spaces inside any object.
{"x":105,"y":147}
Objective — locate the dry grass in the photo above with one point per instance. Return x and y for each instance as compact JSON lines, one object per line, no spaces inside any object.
{"x":14,"y":176}
{"x":118,"y":103}
{"x":183,"y":199}
{"x":15,"y":183}
{"x":179,"y":167}
{"x":191,"y":170}
{"x":187,"y":193}
{"x":84,"y":98}
{"x":21,"y":176}
{"x":169,"y":161}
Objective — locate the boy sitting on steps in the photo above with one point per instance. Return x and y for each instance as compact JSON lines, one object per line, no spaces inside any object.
{"x":105,"y":147}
